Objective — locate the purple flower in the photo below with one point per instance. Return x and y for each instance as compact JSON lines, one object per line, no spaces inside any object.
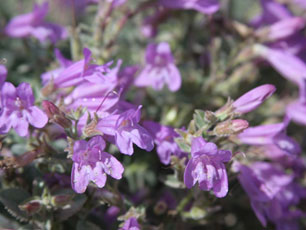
{"x":272,"y":12}
{"x":125,"y":129}
{"x":73,"y":74}
{"x":296,"y":111}
{"x":53,"y":74}
{"x":94,"y":97}
{"x":131,"y":224}
{"x":272,"y":134}
{"x":90,"y":163}
{"x":111,"y":215}
{"x":272,"y":193}
{"x":164,"y":139}
{"x":254,"y":98}
{"x":81,"y":71}
{"x":262,"y":181}
{"x":203,"y":6}
{"x":18,"y":110}
{"x":126,"y":78}
{"x":287,"y":64}
{"x":159,"y":69}
{"x":281,"y":29}
{"x":206,"y":167}
{"x":33,"y":24}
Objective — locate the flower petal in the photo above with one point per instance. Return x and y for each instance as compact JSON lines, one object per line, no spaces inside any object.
{"x":80,"y":177}
{"x":37,"y":117}
{"x":111,"y":165}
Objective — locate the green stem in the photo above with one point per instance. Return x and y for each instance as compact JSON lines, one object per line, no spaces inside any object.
{"x":184,"y":201}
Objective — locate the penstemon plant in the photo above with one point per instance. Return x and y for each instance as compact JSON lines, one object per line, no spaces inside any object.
{"x":152,"y":114}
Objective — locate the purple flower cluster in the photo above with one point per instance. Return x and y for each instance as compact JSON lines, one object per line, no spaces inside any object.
{"x":98,"y":88}
{"x":86,"y":102}
{"x":283,"y":45}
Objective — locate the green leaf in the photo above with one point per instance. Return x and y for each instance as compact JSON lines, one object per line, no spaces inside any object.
{"x":199,"y":118}
{"x":86,"y":225}
{"x":11,"y":199}
{"x":72,"y":208}
{"x":183,"y":144}
{"x":173,"y":182}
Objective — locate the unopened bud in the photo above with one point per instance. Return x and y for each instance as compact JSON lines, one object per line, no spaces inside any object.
{"x":56,"y":115}
{"x":25,"y":158}
{"x":230,"y":127}
{"x":61,"y":200}
{"x":31,"y":207}
{"x":254,"y":98}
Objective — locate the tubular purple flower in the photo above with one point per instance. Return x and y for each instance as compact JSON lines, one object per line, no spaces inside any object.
{"x":262,"y":181}
{"x":272,"y":12}
{"x":272,"y":134}
{"x":126,"y":78}
{"x":18,"y":110}
{"x":90,"y":163}
{"x":53,"y":74}
{"x":125,"y":129}
{"x":287,"y":64}
{"x":82,"y":71}
{"x":93,"y":97}
{"x":33,"y":24}
{"x":160,"y":69}
{"x":281,"y":29}
{"x":272,"y":193}
{"x":164,"y":139}
{"x":73,"y":74}
{"x":203,"y":6}
{"x":206,"y":167}
{"x":254,"y":98}
{"x":296,"y":111}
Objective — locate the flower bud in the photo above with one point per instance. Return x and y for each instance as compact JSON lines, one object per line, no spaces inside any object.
{"x":61,"y":200}
{"x":230,"y":127}
{"x":56,"y":115}
{"x":252,"y":99}
{"x":31,"y":207}
{"x":25,"y":158}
